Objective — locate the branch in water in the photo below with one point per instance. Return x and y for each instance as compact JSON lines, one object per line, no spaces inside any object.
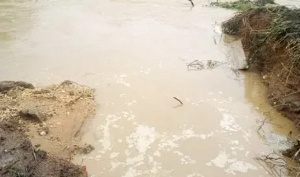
{"x":178,"y":100}
{"x":191,"y":1}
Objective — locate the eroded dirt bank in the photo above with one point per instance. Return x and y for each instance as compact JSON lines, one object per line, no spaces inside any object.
{"x":271,"y":40}
{"x":40,"y":128}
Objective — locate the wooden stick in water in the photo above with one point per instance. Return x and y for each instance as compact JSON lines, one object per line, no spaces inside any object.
{"x":191,"y":1}
{"x":178,"y":100}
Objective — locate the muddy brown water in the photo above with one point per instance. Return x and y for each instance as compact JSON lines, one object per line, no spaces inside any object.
{"x":135,"y":53}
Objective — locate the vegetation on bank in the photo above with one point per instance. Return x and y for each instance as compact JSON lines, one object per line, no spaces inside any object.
{"x":270,"y":36}
{"x":271,"y":40}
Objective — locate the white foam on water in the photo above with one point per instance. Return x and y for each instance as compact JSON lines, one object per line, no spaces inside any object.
{"x":157,"y":153}
{"x":231,"y":165}
{"x":114,"y":165}
{"x":240,"y":166}
{"x":187,"y":160}
{"x":236,"y":146}
{"x":169,"y":143}
{"x":131,"y":102}
{"x":120,"y":80}
{"x":279,"y":142}
{"x":145,"y":70}
{"x":138,"y":155}
{"x":247,"y":134}
{"x":132,"y":172}
{"x":142,"y":138}
{"x":228,"y":123}
{"x":220,"y":160}
{"x":128,"y":115}
{"x":202,"y":136}
{"x":145,"y":138}
{"x":114,"y":155}
{"x":195,"y":175}
{"x":106,"y":141}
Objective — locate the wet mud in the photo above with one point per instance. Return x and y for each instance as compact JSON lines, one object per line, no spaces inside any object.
{"x":40,"y":128}
{"x":19,"y":157}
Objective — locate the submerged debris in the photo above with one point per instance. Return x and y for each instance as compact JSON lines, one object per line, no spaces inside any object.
{"x":277,"y":165}
{"x":293,"y":152}
{"x":86,"y":149}
{"x":203,"y":64}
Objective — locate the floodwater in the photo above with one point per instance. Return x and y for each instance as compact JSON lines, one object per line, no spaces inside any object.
{"x":135,"y":54}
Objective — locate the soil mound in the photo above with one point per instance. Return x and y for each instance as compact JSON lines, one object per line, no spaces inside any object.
{"x":40,"y":128}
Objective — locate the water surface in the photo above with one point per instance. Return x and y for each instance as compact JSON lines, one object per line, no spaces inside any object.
{"x":135,"y":53}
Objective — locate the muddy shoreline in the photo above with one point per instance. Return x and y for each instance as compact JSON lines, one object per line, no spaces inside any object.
{"x":271,"y":43}
{"x":40,"y":128}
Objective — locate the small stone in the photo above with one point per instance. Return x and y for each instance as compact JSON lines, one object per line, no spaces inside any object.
{"x":265,"y":77}
{"x":43,"y":133}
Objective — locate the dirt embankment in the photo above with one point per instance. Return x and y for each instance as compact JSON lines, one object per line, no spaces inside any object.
{"x":40,"y":128}
{"x":271,"y":40}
